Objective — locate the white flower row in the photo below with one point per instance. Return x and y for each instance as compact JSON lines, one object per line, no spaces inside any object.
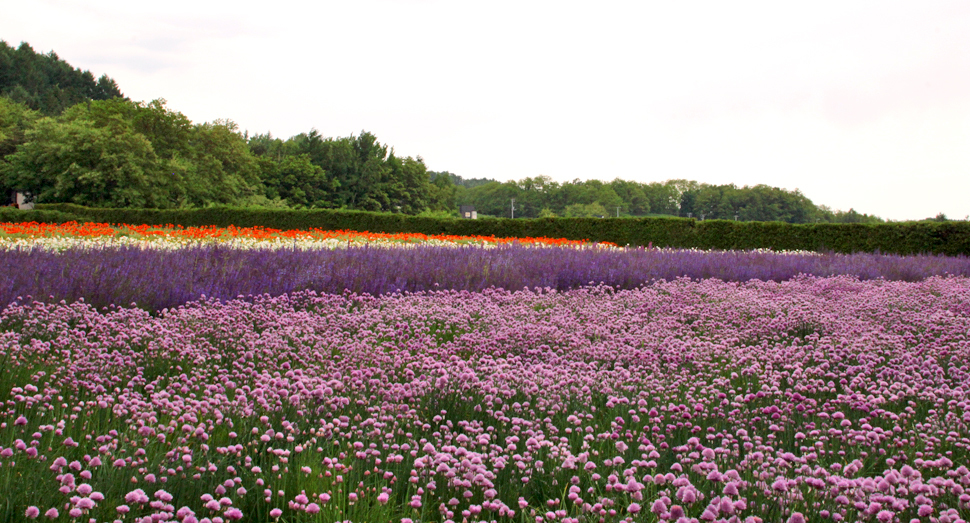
{"x":61,"y":243}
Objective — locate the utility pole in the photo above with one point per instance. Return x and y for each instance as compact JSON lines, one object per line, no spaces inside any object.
{"x":617,"y":212}
{"x":513,"y":208}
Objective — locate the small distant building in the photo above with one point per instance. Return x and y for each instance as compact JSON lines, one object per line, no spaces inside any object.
{"x":20,"y":200}
{"x":468,"y":211}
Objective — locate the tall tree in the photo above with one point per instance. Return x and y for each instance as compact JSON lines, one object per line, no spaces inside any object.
{"x":118,"y":153}
{"x":225,"y":169}
{"x":76,"y":161}
{"x":15,"y":119}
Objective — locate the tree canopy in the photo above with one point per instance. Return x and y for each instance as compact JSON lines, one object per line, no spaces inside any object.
{"x":47,"y":84}
{"x":542,"y":197}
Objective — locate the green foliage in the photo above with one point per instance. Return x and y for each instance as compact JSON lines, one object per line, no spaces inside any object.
{"x":118,"y":153}
{"x":353,"y":172}
{"x":949,"y":238}
{"x":458,"y":180}
{"x":579,"y":210}
{"x":225,"y":170}
{"x":15,"y":119}
{"x":74,"y":160}
{"x":442,"y":195}
{"x":12,"y":215}
{"x":46,"y":83}
{"x":684,"y":198}
{"x":296,"y":181}
{"x":439,"y":215}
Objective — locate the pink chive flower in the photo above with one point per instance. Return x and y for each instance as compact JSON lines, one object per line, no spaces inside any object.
{"x":32,"y":512}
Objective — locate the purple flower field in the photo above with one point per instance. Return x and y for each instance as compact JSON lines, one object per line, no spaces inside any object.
{"x":155,"y":279}
{"x":809,"y":399}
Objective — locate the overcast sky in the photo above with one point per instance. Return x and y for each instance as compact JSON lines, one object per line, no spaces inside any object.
{"x":857,"y":104}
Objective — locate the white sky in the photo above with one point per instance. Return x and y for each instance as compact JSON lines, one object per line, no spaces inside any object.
{"x":858,"y":104}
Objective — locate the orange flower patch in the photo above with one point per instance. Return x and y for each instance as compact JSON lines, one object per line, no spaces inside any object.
{"x":212,"y":232}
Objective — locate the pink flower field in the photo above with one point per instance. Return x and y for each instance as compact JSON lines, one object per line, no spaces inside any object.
{"x":813,"y":399}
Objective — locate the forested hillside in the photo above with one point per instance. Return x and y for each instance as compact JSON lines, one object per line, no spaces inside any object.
{"x":66,"y":137}
{"x":47,"y":84}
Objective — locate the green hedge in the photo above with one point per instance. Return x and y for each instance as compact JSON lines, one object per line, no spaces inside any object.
{"x":950,"y":238}
{"x":13,"y":215}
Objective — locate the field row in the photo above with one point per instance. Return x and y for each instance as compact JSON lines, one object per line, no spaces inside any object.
{"x":156,"y":279}
{"x":826,"y":399}
{"x":73,"y":234}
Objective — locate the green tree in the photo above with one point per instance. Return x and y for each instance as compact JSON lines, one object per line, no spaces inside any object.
{"x":590,"y":210}
{"x":296,"y":181}
{"x":495,"y":199}
{"x":442,"y":195}
{"x":366,"y":174}
{"x":46,"y":83}
{"x":76,"y":161}
{"x":225,"y":171}
{"x":408,"y":187}
{"x":15,"y":119}
{"x":664,"y":198}
{"x":171,"y":134}
{"x":633,"y":197}
{"x":118,"y":153}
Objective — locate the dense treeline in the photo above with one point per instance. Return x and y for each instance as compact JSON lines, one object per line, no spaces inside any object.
{"x":119,"y":153}
{"x":47,"y":84}
{"x":541,"y":197}
{"x":65,"y":137}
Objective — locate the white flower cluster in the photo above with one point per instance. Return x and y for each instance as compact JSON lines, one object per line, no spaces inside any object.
{"x":61,"y":243}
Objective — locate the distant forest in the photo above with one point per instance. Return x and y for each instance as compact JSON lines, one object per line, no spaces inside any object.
{"x":68,"y":137}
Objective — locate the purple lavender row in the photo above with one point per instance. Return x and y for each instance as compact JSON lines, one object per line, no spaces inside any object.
{"x":157,"y":279}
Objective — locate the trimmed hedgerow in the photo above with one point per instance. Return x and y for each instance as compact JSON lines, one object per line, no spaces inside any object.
{"x":949,"y":238}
